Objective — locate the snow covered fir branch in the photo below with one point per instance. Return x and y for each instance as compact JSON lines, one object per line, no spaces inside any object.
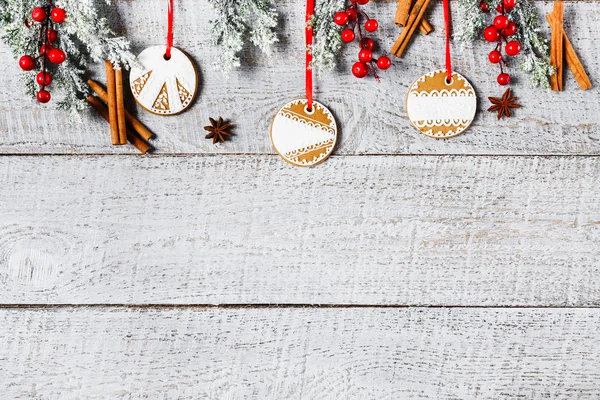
{"x":328,"y":41}
{"x":238,"y":21}
{"x":534,"y":56}
{"x":84,"y":36}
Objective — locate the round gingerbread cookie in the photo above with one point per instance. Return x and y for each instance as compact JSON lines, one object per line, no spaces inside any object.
{"x":164,"y":86}
{"x":301,"y":137}
{"x":441,"y":109}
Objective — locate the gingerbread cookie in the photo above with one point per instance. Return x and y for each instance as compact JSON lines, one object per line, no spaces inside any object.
{"x":441,"y":109}
{"x":301,"y":137}
{"x":164,"y":87}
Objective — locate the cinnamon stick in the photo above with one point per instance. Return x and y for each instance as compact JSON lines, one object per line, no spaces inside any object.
{"x":135,"y":124}
{"x":402,"y":13}
{"x":573,"y":61}
{"x":425,"y":27}
{"x":112,"y":103}
{"x":556,"y":45}
{"x":120,"y":107}
{"x":414,"y":18}
{"x":133,"y":138}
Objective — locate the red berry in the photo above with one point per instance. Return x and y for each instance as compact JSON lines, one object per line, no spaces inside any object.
{"x":38,"y":14}
{"x":510,"y":29}
{"x":360,"y":69}
{"x":340,"y":18}
{"x":504,"y":79}
{"x":371,"y":25}
{"x":58,"y":15}
{"x":499,"y":8}
{"x":43,"y":78}
{"x":509,"y":4}
{"x":348,"y":35}
{"x":43,"y":96}
{"x":484,"y":6}
{"x":384,"y":62}
{"x":351,"y":13}
{"x":495,"y":56}
{"x":491,"y":34}
{"x":46,"y":48}
{"x":365,"y":55}
{"x":513,"y":48}
{"x":27,"y":63}
{"x":362,"y":2}
{"x":353,"y":1}
{"x":52,"y":35}
{"x":500,"y":22}
{"x":367,"y":43}
{"x":56,"y":56}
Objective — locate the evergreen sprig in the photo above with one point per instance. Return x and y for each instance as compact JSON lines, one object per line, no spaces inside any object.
{"x":237,"y":20}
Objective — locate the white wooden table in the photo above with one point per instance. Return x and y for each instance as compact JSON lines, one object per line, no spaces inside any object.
{"x":403,"y":267}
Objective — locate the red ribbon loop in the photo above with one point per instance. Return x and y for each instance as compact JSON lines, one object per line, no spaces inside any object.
{"x":169,"y":31}
{"x":447,"y":20}
{"x":310,"y":10}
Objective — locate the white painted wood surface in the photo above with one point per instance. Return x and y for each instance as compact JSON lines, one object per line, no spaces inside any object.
{"x":419,"y":230}
{"x":107,"y":260}
{"x":371,"y":116}
{"x":300,"y":354}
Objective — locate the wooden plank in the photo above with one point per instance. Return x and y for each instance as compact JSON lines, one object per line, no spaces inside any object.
{"x":300,"y":353}
{"x":371,"y":115}
{"x":471,"y":231}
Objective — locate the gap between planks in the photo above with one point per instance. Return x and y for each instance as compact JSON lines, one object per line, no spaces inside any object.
{"x":249,"y":155}
{"x":160,"y":306}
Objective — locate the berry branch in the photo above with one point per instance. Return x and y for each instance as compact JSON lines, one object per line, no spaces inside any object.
{"x":352,"y":16}
{"x":502,"y":29}
{"x":50,"y":14}
{"x":85,"y":37}
{"x":532,"y":48}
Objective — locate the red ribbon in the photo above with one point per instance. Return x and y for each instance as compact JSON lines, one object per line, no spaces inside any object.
{"x":447,"y":20}
{"x":170,"y":31}
{"x":310,"y":10}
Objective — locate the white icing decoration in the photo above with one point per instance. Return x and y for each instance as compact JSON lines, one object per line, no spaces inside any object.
{"x":177,"y":75}
{"x":441,"y":108}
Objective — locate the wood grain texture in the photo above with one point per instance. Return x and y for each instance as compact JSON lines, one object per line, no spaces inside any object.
{"x":417,"y":230}
{"x":371,"y":116}
{"x":300,"y":354}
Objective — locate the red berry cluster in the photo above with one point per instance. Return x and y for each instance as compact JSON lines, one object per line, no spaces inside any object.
{"x":352,"y":16}
{"x":47,"y":16}
{"x":500,"y":32}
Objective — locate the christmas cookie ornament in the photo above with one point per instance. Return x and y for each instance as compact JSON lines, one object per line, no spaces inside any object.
{"x":167,"y":83}
{"x":442,"y":104}
{"x":304,"y":132}
{"x":304,"y":137}
{"x":439,"y":108}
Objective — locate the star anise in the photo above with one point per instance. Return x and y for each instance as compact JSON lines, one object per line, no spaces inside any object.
{"x":503,"y":105}
{"x":218,"y":131}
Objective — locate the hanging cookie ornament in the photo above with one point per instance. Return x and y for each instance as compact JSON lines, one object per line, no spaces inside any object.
{"x":168,"y":81}
{"x":303,"y":131}
{"x":442,"y":104}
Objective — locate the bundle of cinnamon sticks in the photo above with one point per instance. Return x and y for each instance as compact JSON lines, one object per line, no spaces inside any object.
{"x":410,"y":16}
{"x":561,"y":48}
{"x":110,"y":105}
